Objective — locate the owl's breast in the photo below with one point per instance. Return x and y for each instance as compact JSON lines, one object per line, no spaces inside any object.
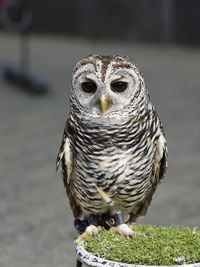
{"x":121,"y":173}
{"x":117,"y":163}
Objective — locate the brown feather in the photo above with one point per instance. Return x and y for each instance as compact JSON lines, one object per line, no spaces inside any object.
{"x":158,"y":171}
{"x":76,"y":209}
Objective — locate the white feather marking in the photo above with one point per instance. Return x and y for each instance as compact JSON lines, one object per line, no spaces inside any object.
{"x":160,"y":147}
{"x":104,"y":196}
{"x":67,"y":154}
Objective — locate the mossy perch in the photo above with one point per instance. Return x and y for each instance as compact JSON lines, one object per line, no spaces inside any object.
{"x":165,"y":246}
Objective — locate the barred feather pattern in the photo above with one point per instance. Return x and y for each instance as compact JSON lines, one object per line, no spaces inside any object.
{"x":118,"y":162}
{"x":113,"y":161}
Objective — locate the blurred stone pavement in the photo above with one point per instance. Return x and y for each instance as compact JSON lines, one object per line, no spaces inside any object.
{"x":36,"y":223}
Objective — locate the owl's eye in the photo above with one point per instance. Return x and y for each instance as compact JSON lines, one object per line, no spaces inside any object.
{"x":119,"y":86}
{"x":89,"y":87}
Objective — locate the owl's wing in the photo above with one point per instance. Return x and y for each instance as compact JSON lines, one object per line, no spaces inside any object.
{"x":61,"y":150}
{"x":158,"y":171}
{"x":66,"y":158}
{"x":160,"y":157}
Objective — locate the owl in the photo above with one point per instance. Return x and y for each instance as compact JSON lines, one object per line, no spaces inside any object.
{"x":113,"y":151}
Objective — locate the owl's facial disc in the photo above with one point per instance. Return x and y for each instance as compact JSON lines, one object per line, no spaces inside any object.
{"x":105,"y":87}
{"x":101,"y":98}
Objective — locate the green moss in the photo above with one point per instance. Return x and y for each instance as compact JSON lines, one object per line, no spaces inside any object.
{"x":165,"y":246}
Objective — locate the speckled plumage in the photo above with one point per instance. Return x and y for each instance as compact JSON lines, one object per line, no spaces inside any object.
{"x":112,"y":161}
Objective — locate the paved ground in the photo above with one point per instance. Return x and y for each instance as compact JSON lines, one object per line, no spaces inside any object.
{"x":36,"y":225}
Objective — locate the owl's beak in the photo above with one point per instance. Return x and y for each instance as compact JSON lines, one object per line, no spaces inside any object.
{"x":103,"y":102}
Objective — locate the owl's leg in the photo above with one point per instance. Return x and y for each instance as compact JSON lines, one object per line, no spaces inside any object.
{"x":122,"y":228}
{"x":91,"y":229}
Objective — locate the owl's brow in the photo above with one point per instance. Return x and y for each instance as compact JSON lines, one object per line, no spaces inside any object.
{"x":107,"y":63}
{"x":122,"y":65}
{"x":83,"y":63}
{"x":126,"y":66}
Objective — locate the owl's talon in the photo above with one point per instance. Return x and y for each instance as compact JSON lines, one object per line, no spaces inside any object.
{"x":90,"y":230}
{"x":124,"y":230}
{"x":130,"y":237}
{"x":148,"y":235}
{"x":96,"y":236}
{"x":142,"y":234}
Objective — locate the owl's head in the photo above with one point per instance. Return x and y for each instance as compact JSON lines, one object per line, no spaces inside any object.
{"x":105,"y":85}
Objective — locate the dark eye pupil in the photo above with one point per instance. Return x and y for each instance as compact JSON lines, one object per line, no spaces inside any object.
{"x":89,"y":87}
{"x":119,"y":86}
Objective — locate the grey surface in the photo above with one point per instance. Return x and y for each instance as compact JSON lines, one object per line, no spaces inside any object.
{"x":36,"y":224}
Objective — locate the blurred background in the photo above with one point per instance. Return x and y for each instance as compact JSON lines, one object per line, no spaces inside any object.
{"x":40,"y":42}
